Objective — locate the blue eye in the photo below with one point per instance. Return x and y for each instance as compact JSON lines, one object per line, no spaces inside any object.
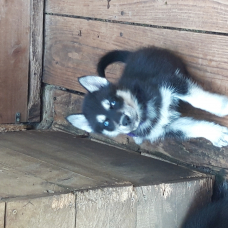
{"x":106,"y":123}
{"x":113,"y":103}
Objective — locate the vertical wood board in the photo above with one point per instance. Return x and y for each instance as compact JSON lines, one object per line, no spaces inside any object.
{"x":36,"y":55}
{"x":54,"y":211}
{"x":2,"y":214}
{"x":14,"y":59}
{"x":106,"y":207}
{"x":168,"y":205}
{"x":209,"y":15}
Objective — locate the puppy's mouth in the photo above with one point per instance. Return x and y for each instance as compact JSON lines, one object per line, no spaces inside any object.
{"x":131,"y":110}
{"x":129,"y":122}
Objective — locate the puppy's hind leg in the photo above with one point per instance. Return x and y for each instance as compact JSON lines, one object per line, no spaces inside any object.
{"x":210,"y":102}
{"x":190,"y":128}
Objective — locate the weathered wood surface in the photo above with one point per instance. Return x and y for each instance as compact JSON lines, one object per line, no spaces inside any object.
{"x":14,"y":59}
{"x":112,"y":187}
{"x":168,"y":196}
{"x":24,"y":175}
{"x":2,"y":214}
{"x":97,"y":164}
{"x":197,"y":152}
{"x":164,"y":205}
{"x":36,"y":55}
{"x":107,"y":207}
{"x":209,"y":15}
{"x":73,"y":47}
{"x":53,"y":211}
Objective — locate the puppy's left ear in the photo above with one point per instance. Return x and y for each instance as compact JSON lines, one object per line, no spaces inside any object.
{"x":79,"y":121}
{"x":93,"y":83}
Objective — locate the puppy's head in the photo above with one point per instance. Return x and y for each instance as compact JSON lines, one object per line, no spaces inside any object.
{"x":106,"y":109}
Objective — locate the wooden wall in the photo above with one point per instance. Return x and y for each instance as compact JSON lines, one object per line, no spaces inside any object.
{"x":21,"y":52}
{"x":78,"y":33}
{"x":14,"y":59}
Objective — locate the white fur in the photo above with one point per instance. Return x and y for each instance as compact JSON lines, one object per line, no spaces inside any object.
{"x":217,"y":134}
{"x":79,"y":121}
{"x":130,"y":108}
{"x":138,"y":140}
{"x":210,"y":102}
{"x":93,"y":83}
{"x":159,"y":129}
{"x":130,"y":100}
{"x":106,"y":104}
{"x":101,"y":118}
{"x":151,"y":112}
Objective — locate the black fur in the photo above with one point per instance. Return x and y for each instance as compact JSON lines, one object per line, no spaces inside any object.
{"x":146,"y":70}
{"x":109,"y":58}
{"x":215,"y":214}
{"x":92,"y":102}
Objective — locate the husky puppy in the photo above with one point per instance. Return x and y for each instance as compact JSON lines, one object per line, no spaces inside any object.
{"x":144,"y":102}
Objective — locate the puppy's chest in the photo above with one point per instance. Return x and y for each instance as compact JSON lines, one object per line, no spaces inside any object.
{"x":157,"y":118}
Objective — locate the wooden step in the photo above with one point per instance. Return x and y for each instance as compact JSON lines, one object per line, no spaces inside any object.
{"x":53,"y":179}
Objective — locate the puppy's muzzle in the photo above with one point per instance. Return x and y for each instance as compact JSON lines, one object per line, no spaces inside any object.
{"x":126,"y":121}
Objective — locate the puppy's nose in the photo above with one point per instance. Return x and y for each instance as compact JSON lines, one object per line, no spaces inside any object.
{"x":126,"y":120}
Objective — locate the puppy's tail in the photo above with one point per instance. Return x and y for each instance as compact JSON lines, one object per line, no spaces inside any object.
{"x":109,"y":58}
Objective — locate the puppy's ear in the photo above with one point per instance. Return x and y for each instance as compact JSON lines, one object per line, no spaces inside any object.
{"x":93,"y":83}
{"x":79,"y":121}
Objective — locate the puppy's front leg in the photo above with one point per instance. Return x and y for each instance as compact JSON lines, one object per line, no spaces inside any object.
{"x":191,"y":128}
{"x":138,"y":140}
{"x":210,"y":102}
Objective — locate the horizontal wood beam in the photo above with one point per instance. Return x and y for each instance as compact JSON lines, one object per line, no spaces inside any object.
{"x":209,"y":15}
{"x":73,"y":47}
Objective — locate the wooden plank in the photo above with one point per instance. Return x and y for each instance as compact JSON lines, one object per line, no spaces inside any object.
{"x":14,"y":59}
{"x":106,"y":207}
{"x":167,"y":205}
{"x":198,"y":152}
{"x":97,"y":161}
{"x":164,"y":205}
{"x":53,"y":211}
{"x":209,"y":15}
{"x":38,"y":177}
{"x":73,"y":46}
{"x":124,"y":195}
{"x":75,"y":50}
{"x":36,"y":55}
{"x":2,"y":214}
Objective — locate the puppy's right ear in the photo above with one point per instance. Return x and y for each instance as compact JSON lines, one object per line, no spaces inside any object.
{"x":93,"y":83}
{"x":79,"y":121}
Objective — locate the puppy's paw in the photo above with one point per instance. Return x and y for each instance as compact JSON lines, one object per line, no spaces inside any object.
{"x":138,"y":140}
{"x":221,"y":138}
{"x":223,"y":110}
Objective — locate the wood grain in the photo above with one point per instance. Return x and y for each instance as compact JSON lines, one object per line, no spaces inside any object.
{"x":36,"y":55}
{"x":197,"y":152}
{"x":209,"y":15}
{"x":107,"y":207}
{"x":2,"y":214}
{"x":169,"y":214}
{"x":14,"y":59}
{"x":73,"y":47}
{"x":53,"y":211}
{"x":111,"y":187}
